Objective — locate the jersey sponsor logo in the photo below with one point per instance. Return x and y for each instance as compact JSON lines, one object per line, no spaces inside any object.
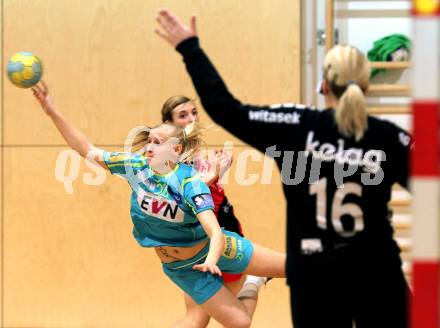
{"x":202,"y":201}
{"x":291,"y":105}
{"x":160,"y":208}
{"x":371,"y":159}
{"x":274,"y":117}
{"x":230,"y":247}
{"x":311,"y":246}
{"x":233,"y":248}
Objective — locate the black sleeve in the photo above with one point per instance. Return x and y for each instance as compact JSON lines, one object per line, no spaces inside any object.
{"x":259,"y":126}
{"x":401,"y":143}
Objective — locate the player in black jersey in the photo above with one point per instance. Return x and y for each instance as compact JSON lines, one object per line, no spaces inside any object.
{"x":338,"y":166}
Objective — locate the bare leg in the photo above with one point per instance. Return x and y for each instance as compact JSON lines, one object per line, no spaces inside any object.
{"x":249,"y":292}
{"x":267,"y":263}
{"x":231,"y":312}
{"x":195,"y":316}
{"x":237,"y":313}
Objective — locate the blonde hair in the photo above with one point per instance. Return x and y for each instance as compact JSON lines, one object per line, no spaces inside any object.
{"x":189,"y":137}
{"x":347,"y":73}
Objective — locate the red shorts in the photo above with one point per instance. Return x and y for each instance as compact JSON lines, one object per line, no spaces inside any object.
{"x":231,"y":277}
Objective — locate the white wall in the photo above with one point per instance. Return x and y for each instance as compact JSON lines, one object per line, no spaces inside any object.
{"x":360,"y":32}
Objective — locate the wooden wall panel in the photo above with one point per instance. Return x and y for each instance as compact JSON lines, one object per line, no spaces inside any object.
{"x":109,"y":72}
{"x":2,"y":79}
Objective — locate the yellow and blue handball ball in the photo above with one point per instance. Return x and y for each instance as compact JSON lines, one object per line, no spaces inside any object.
{"x":25,"y":69}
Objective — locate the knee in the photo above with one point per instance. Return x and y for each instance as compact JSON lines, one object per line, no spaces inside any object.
{"x":197,"y":320}
{"x":242,"y":322}
{"x":192,"y":321}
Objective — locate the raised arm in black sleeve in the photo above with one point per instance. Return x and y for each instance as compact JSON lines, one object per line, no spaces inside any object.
{"x":259,"y":126}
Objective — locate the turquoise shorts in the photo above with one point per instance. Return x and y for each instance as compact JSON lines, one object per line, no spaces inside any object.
{"x":201,"y":286}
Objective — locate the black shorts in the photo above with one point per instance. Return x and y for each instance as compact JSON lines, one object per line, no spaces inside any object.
{"x":338,"y":290}
{"x":227,"y":219}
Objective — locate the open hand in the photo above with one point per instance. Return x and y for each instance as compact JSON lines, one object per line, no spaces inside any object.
{"x":172,"y":29}
{"x":208,"y":267}
{"x":224,"y":161}
{"x":41,"y":92}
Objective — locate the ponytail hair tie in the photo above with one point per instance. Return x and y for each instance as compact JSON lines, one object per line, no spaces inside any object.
{"x":351,"y":82}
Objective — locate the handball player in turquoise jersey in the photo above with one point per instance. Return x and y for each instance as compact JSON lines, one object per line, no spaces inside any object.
{"x":172,"y":211}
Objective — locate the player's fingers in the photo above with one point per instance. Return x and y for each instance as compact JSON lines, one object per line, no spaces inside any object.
{"x":170,"y":17}
{"x":38,"y":89}
{"x":45,"y":87}
{"x":163,"y":23}
{"x":169,"y":20}
{"x":162,"y":11}
{"x":200,"y":267}
{"x":217,"y":271}
{"x":194,"y":24}
{"x":161,"y":33}
{"x":37,"y":95}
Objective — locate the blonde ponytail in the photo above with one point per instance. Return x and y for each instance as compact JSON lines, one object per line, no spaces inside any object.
{"x":347,"y":73}
{"x":140,"y":140}
{"x":351,"y":113}
{"x":191,"y":140}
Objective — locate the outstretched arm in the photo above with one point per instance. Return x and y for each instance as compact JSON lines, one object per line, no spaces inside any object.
{"x":215,"y":97}
{"x":210,"y":225}
{"x":75,"y":138}
{"x":259,"y":126}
